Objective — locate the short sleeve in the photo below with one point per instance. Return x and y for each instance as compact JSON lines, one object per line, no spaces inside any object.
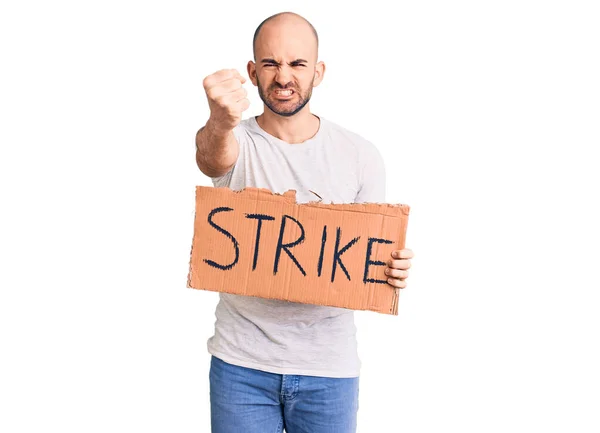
{"x":372,"y":177}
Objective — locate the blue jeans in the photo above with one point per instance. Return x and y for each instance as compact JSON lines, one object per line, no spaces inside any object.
{"x":244,"y":400}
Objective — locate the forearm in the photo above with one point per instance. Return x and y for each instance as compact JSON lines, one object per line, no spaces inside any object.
{"x":216,"y":150}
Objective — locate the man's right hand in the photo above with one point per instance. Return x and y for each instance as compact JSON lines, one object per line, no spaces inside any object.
{"x":226,"y":99}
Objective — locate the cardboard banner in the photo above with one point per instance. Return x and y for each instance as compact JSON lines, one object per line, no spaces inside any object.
{"x":254,"y":242}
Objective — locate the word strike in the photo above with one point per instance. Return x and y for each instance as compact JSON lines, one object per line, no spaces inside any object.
{"x":339,"y":250}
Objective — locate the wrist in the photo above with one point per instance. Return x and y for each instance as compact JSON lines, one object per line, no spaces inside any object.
{"x":215,"y":129}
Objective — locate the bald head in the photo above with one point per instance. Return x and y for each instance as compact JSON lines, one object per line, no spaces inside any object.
{"x":290,"y":20}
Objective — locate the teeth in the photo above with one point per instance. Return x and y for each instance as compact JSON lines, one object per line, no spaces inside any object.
{"x":284,"y":92}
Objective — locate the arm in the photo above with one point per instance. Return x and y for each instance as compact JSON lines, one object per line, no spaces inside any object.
{"x":372,"y":176}
{"x":217,"y":149}
{"x":373,"y":189}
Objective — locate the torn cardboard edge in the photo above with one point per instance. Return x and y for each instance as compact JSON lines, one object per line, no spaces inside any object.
{"x":255,"y":242}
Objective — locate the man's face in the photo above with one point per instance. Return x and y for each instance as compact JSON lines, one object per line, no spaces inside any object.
{"x":285,"y":86}
{"x":286,"y":69}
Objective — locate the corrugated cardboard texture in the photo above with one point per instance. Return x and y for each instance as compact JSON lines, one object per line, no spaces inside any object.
{"x":257,"y":243}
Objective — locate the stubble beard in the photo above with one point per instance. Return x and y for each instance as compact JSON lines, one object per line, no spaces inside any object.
{"x":290,"y":111}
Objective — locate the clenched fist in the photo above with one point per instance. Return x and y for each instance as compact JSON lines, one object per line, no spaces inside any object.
{"x":226,"y":98}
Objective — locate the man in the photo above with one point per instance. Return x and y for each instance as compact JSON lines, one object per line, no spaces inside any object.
{"x":278,"y":364}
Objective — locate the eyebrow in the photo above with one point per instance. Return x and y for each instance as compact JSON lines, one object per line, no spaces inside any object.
{"x":275,"y":62}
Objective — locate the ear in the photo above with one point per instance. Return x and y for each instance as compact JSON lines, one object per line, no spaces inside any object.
{"x":251,"y":67}
{"x":319,"y":73}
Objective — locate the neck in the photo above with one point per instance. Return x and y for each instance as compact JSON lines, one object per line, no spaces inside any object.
{"x":294,"y":129}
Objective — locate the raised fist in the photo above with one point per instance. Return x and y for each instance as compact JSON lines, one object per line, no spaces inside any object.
{"x":226,"y":98}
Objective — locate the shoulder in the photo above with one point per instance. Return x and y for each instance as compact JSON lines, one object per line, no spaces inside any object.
{"x":244,"y":128}
{"x":246,"y":124}
{"x":340,"y":133}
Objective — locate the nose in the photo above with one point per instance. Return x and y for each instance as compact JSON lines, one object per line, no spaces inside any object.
{"x":284,"y":76}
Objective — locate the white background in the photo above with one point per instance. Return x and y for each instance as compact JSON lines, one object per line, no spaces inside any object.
{"x":487,"y":114}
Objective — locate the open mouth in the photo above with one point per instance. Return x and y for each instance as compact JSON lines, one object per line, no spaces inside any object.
{"x":284,"y":93}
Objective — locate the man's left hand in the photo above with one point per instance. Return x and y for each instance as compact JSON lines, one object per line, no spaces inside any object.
{"x":397,"y":268}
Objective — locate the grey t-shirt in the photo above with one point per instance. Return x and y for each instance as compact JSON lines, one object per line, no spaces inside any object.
{"x":287,"y":337}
